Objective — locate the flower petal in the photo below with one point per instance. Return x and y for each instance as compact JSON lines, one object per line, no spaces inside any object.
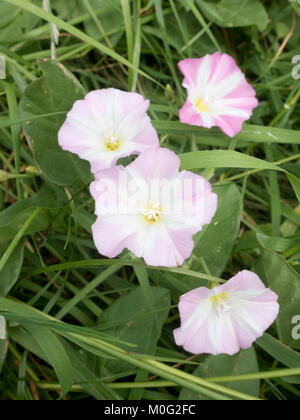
{"x":103,"y":115}
{"x":156,"y":164}
{"x":226,"y":98}
{"x":229,"y":317}
{"x":134,"y":196}
{"x":111,"y":233}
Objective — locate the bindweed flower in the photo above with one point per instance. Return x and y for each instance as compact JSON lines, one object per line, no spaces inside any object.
{"x":151,"y":209}
{"x":107,"y":125}
{"x":227,"y":318}
{"x":218,"y":93}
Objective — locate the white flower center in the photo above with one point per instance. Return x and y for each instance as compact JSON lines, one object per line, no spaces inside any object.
{"x":152,"y":213}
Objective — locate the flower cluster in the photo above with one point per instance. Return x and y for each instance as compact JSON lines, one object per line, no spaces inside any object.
{"x":152,"y":209}
{"x":149,"y":207}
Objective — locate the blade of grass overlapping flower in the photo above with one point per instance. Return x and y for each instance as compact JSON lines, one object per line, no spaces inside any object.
{"x":249,"y":134}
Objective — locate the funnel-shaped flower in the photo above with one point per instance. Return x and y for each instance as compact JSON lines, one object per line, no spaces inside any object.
{"x":227,"y":318}
{"x":151,"y":208}
{"x":218,"y":93}
{"x":107,"y":125}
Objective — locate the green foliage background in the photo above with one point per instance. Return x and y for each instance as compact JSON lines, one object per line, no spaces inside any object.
{"x":79,"y":326}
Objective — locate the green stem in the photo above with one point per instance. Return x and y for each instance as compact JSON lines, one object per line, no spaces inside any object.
{"x":220,"y":379}
{"x":120,"y":263}
{"x":15,"y":131}
{"x":17,"y":238}
{"x":203,"y":23}
{"x":165,"y":384}
{"x":186,"y":382}
{"x":18,"y":176}
{"x":85,"y":291}
{"x":287,"y":107}
{"x":179,"y":377}
{"x":255,"y":171}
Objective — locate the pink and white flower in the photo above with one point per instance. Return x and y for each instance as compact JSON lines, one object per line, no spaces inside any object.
{"x":151,"y":209}
{"x":218,"y":93}
{"x":227,"y":318}
{"x":107,"y":125}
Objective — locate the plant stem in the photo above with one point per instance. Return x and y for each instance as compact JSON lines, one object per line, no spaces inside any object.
{"x":18,"y":237}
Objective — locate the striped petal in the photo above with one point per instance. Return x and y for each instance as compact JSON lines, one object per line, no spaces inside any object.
{"x":218,"y":93}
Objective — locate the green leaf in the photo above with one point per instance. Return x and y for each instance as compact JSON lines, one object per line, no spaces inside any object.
{"x":11,"y":271}
{"x":284,"y":281}
{"x":223,"y":159}
{"x":244,"y":362}
{"x":233,"y":159}
{"x":55,"y":354}
{"x":276,"y":244}
{"x":215,"y":243}
{"x":235,"y":13}
{"x":249,"y":134}
{"x":63,"y":9}
{"x":295,"y":182}
{"x":13,"y":22}
{"x":279,"y":351}
{"x":16,"y":214}
{"x":56,"y":91}
{"x":137,"y":322}
{"x":89,"y":381}
{"x":142,"y":275}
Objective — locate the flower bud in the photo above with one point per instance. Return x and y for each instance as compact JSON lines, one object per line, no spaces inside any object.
{"x":32,"y":170}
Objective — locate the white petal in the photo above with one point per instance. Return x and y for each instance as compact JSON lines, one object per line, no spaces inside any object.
{"x":228,"y":84}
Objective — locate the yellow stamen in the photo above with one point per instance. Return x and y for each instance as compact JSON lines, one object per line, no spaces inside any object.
{"x":112,"y":144}
{"x":217,"y":299}
{"x":201,"y":105}
{"x":153,"y":213}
